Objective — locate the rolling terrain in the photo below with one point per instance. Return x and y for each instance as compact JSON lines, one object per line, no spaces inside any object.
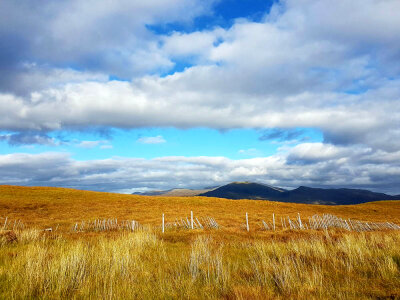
{"x":181,"y":263}
{"x":303,"y":194}
{"x":47,"y":207}
{"x":179,"y":192}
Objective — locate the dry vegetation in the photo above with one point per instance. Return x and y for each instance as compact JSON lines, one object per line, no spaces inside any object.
{"x":146,"y":266}
{"x":47,"y":207}
{"x":226,"y":263}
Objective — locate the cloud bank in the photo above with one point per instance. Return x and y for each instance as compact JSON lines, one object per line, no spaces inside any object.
{"x":313,"y":164}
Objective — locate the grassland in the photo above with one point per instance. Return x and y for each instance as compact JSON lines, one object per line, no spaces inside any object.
{"x":46,"y":207}
{"x":229,"y":263}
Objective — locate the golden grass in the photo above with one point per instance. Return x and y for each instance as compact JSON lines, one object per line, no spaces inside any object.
{"x":142,"y":265}
{"x":229,"y":263}
{"x":47,"y":207}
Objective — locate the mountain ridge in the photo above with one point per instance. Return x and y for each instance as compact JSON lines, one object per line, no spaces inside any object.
{"x":302,"y":194}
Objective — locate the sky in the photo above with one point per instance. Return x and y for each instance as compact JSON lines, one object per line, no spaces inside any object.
{"x":127,"y":96}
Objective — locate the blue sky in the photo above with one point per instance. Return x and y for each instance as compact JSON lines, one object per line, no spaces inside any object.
{"x":223,"y":14}
{"x":155,"y":142}
{"x":130,"y":95}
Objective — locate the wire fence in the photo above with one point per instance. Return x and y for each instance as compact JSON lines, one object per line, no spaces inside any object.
{"x":315,"y":222}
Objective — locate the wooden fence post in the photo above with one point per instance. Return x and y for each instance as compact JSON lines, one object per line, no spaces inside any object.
{"x":247,"y":222}
{"x":273,"y":220}
{"x":5,"y":223}
{"x":163,"y":227}
{"x":301,"y":225}
{"x":191,"y":219}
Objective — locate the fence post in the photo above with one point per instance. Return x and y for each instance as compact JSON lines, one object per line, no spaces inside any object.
{"x":301,"y":225}
{"x":163,"y":223}
{"x":247,"y":222}
{"x":191,"y":218}
{"x":5,"y":223}
{"x":273,"y":220}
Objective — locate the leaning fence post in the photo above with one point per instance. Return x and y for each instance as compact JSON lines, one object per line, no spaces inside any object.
{"x":163,"y":223}
{"x":5,"y":223}
{"x":301,"y":225}
{"x":247,"y":222}
{"x":191,"y":218}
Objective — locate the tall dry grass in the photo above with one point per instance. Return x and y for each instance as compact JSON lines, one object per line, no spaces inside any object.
{"x":145,"y":265}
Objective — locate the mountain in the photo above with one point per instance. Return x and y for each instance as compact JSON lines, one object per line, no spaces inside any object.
{"x":245,"y":190}
{"x":303,"y":194}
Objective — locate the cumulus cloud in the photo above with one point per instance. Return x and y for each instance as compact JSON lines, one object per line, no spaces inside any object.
{"x":110,"y":37}
{"x":196,"y":46}
{"x":151,"y":140}
{"x":295,"y":74}
{"x":32,"y":77}
{"x":326,"y":166}
{"x":355,"y":119}
{"x":315,"y":152}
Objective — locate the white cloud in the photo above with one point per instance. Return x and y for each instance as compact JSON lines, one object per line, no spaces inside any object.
{"x":198,"y":43}
{"x":317,"y":152}
{"x":344,"y":119}
{"x":110,"y":38}
{"x":93,"y":144}
{"x":35,"y":77}
{"x":152,"y":140}
{"x":250,"y":152}
{"x":283,"y":72}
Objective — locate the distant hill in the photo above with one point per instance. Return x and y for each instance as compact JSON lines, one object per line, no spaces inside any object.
{"x":245,"y":190}
{"x":184,"y":192}
{"x":176,"y":192}
{"x":303,"y":194}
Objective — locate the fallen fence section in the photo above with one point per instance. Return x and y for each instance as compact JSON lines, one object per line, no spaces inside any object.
{"x":193,"y":223}
{"x":10,"y":224}
{"x":107,"y":225}
{"x":327,"y":221}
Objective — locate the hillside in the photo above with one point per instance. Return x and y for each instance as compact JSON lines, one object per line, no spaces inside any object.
{"x":245,"y":190}
{"x":46,"y":207}
{"x":335,"y":196}
{"x":228,"y":262}
{"x":178,"y":192}
{"x":307,"y":195}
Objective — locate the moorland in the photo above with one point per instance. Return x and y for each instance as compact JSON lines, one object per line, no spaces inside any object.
{"x":43,"y":255}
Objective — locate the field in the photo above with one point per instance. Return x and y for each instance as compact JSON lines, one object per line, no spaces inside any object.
{"x":225,"y":263}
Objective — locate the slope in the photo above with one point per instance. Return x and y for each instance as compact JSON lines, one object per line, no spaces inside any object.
{"x":47,"y":207}
{"x":248,"y":190}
